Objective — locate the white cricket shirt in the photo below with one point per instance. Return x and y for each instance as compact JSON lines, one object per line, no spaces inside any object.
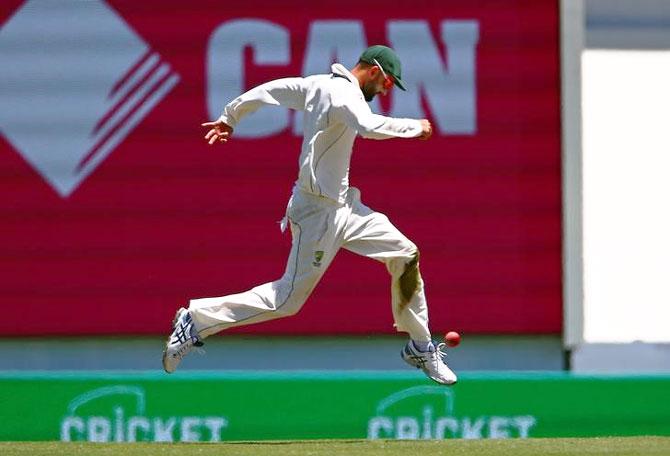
{"x":335,"y":111}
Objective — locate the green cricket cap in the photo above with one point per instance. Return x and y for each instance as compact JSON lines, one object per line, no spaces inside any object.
{"x":388,"y":60}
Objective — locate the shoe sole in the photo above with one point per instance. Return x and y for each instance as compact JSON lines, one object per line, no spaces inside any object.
{"x":409,"y":362}
{"x":174,"y":324}
{"x":445,"y":384}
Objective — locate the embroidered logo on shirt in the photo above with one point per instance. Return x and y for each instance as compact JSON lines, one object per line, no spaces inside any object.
{"x":318,"y":256}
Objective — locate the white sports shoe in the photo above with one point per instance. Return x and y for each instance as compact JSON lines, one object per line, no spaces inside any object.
{"x":431,"y":362}
{"x":181,"y":341}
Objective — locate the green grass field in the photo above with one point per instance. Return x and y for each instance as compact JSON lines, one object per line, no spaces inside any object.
{"x":619,"y":446}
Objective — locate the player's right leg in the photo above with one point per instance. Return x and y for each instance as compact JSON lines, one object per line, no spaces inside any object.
{"x":371,"y":234}
{"x":431,"y":361}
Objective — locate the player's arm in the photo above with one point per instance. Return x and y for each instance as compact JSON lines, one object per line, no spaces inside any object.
{"x":357,"y":115}
{"x":287,"y":92}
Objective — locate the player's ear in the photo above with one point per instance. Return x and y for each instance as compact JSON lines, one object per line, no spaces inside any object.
{"x":373,"y":71}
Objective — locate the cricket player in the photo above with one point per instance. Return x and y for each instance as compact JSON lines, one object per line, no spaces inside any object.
{"x":324,"y":213}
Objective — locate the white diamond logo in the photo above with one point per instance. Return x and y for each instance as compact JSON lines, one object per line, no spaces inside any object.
{"x":75,"y":80}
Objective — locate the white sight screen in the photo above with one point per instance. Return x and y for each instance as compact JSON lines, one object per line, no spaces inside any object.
{"x":626,"y":153}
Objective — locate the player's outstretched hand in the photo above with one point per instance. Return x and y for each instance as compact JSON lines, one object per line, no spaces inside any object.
{"x":218,"y":131}
{"x":427,"y":130}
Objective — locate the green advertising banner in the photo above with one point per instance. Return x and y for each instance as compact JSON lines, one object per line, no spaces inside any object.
{"x":215,"y":406}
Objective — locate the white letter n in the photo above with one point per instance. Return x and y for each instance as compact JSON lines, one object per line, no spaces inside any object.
{"x":450,"y":91}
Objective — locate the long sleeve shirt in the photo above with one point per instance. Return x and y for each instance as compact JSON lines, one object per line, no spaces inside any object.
{"x":335,"y":112}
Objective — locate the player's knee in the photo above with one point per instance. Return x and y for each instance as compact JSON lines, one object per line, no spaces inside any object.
{"x":414,"y":252}
{"x":410,"y":255}
{"x":410,"y":279}
{"x":412,"y":261}
{"x":288,"y":310}
{"x":410,"y":249}
{"x":291,"y":306}
{"x":405,"y":256}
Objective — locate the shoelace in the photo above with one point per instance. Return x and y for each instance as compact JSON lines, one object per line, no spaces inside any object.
{"x":439,"y":353}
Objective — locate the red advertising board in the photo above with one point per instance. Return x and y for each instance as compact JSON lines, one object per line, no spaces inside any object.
{"x":115,"y":211}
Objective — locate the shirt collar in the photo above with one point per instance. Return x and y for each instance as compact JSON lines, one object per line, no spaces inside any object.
{"x":339,"y":69}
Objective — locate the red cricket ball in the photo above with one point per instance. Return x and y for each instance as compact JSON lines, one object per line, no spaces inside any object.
{"x":452,"y":339}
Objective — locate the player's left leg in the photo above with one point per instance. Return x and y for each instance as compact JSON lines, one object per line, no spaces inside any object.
{"x":315,"y":243}
{"x":371,"y":234}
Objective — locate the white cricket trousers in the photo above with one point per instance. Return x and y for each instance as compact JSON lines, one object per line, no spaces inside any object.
{"x":320,"y":227}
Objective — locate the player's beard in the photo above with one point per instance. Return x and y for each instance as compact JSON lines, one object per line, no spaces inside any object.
{"x":369,"y":91}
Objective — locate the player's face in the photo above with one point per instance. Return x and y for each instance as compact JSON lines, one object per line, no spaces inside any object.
{"x":379,"y":82}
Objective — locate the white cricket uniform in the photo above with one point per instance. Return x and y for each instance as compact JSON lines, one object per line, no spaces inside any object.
{"x":324,"y":213}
